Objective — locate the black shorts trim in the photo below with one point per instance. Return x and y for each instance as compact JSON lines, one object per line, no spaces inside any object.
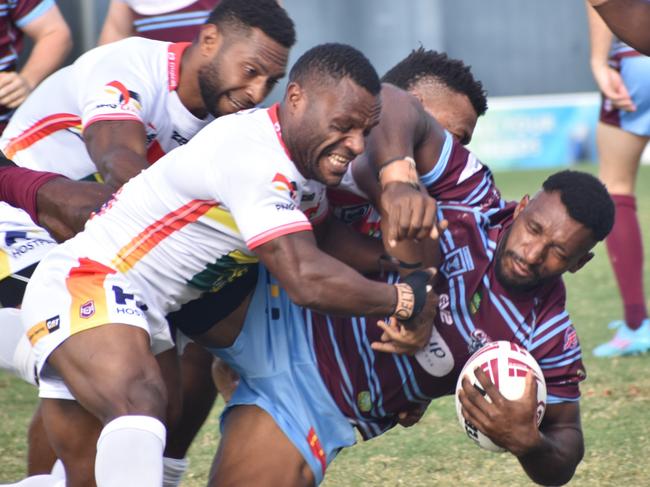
{"x":12,"y":290}
{"x":198,"y":316}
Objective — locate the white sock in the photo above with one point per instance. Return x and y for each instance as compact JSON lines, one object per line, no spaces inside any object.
{"x":38,"y":481}
{"x":173,"y":470}
{"x":129,"y":452}
{"x":16,"y":353}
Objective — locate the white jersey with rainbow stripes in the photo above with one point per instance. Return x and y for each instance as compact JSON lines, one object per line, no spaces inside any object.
{"x":190,"y":223}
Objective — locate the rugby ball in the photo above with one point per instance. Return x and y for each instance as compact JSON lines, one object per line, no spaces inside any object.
{"x":506,"y":364}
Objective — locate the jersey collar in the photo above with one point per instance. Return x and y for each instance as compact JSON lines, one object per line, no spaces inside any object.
{"x":273,"y":114}
{"x":174,"y":53}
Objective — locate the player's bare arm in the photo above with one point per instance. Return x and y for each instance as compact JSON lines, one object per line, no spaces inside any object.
{"x":117,"y":161}
{"x":315,"y":280}
{"x":609,"y":80}
{"x":363,"y":253}
{"x":64,"y":206}
{"x":406,"y":143}
{"x":628,"y":19}
{"x":52,"y":43}
{"x":549,"y":454}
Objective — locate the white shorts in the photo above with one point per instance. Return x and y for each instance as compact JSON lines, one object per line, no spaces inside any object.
{"x":68,"y":295}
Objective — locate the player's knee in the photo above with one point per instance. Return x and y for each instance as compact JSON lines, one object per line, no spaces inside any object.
{"x":143,"y":393}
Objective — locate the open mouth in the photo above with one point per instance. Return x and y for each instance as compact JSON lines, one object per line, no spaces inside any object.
{"x":339,"y":162}
{"x":521,"y":269}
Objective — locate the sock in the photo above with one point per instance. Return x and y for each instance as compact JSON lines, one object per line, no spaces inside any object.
{"x":625,"y":250}
{"x":173,"y":470}
{"x":38,"y":481}
{"x":130,"y":452}
{"x":19,"y":185}
{"x":16,"y":354}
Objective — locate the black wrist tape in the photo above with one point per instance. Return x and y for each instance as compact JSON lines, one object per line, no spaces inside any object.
{"x":418,"y":281}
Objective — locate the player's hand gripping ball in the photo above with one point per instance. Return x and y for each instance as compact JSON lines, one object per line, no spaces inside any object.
{"x":506,"y":364}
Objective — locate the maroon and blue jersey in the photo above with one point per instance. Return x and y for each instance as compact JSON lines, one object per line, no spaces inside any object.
{"x":457,"y":176}
{"x":370,"y":388}
{"x":16,"y":15}
{"x":177,"y":26}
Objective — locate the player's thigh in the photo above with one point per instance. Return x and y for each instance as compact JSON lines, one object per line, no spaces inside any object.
{"x":255,"y":451}
{"x":111,"y":371}
{"x":620,"y":155}
{"x":73,"y":432}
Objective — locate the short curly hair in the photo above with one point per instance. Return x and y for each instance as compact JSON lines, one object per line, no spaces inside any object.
{"x":586,"y":200}
{"x":421,"y":65}
{"x":266,"y":15}
{"x":337,"y":61}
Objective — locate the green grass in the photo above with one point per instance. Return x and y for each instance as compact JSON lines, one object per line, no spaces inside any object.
{"x":615,"y":406}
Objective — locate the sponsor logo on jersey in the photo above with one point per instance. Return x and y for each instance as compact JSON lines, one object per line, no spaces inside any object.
{"x":179,"y":139}
{"x":17,"y":251}
{"x":364,"y":401}
{"x":282,"y":183}
{"x":285,"y":206}
{"x":126,"y":99}
{"x":53,"y":324}
{"x":475,"y":302}
{"x":457,"y":262}
{"x":87,"y":309}
{"x":570,"y":339}
{"x":436,"y":357}
{"x":443,"y":309}
{"x":478,"y":340}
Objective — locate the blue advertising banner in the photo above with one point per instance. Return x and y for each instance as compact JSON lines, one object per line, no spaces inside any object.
{"x":531,"y":132}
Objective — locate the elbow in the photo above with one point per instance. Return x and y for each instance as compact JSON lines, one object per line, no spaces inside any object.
{"x":304,"y":290}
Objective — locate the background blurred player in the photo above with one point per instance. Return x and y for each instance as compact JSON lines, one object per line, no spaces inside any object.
{"x":628,"y":19}
{"x":41,"y":20}
{"x":623,"y":76}
{"x":163,"y":20}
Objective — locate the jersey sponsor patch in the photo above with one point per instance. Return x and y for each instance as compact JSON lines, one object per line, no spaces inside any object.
{"x":126,"y":99}
{"x":570,"y":339}
{"x":457,"y":262}
{"x":436,"y":357}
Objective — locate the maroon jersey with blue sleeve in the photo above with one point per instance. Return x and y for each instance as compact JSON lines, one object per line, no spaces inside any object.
{"x":457,"y":176}
{"x":370,"y":388}
{"x":16,"y":14}
{"x":179,"y":25}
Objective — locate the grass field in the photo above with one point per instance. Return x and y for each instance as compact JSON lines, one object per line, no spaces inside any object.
{"x":615,"y":406}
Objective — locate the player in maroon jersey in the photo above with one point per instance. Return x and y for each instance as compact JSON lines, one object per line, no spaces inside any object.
{"x":174,"y":21}
{"x":307,"y":379}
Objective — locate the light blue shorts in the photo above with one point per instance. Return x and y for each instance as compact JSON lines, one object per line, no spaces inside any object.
{"x":274,"y":356}
{"x":635,"y":71}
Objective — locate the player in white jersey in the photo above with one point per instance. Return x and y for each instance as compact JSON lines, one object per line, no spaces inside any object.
{"x":120,"y":107}
{"x":193,"y":227}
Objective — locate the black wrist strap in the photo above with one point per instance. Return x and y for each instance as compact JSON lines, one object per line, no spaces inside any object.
{"x":418,"y":281}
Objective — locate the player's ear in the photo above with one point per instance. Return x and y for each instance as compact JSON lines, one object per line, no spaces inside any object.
{"x":523,"y":203}
{"x":210,"y":39}
{"x":294,"y":95}
{"x":581,"y":262}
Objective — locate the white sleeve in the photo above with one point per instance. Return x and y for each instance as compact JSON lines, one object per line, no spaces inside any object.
{"x":119,"y":88}
{"x":261,"y":195}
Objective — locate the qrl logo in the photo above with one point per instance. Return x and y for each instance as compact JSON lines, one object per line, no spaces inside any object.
{"x":87,"y":309}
